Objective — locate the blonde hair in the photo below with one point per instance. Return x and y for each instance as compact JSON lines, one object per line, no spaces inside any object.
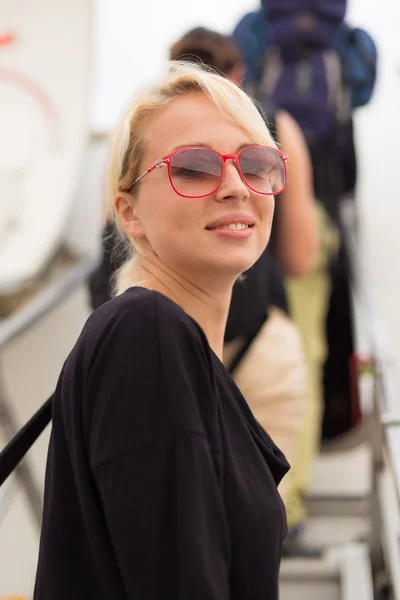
{"x":127,"y":146}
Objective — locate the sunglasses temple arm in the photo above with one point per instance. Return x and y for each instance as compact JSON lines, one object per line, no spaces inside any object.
{"x":142,"y":175}
{"x":138,"y":179}
{"x":156,"y":165}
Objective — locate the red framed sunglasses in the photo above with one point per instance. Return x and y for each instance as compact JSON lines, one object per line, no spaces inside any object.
{"x":197,"y":171}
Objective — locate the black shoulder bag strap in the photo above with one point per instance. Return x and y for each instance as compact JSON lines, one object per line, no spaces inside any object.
{"x":242,"y":351}
{"x":270,"y":121}
{"x":16,"y":449}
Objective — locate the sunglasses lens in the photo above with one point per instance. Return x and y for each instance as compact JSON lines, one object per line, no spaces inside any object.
{"x":196,"y":172}
{"x":263,"y":169}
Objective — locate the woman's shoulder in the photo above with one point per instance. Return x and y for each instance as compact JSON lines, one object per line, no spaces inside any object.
{"x":137,"y":372}
{"x":141,"y":319}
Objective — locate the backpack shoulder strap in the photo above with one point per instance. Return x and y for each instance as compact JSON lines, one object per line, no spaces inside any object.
{"x":269,"y":70}
{"x":338,"y":92}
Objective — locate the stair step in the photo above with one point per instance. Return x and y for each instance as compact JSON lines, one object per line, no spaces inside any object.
{"x":310,"y":579}
{"x":343,"y":573}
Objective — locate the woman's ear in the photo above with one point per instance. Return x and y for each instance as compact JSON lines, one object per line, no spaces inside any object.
{"x":126,"y":207}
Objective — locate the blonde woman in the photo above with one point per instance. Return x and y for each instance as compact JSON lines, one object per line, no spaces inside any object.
{"x":160,"y":483}
{"x":263,"y":350}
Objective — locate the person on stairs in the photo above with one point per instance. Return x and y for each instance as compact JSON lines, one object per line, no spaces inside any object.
{"x":263,"y":349}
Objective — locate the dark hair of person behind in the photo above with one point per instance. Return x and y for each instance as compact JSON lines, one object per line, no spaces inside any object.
{"x":208,"y":47}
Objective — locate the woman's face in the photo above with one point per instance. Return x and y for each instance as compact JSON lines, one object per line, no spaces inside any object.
{"x":178,"y":229}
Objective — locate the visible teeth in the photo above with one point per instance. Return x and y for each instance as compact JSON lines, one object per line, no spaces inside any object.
{"x":237,"y":226}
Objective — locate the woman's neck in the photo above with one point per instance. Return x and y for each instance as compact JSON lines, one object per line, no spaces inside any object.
{"x":206,"y":304}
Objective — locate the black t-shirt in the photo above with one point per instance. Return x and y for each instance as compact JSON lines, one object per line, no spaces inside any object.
{"x":159,"y":481}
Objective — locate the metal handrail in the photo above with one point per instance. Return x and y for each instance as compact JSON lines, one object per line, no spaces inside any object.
{"x":356,"y":580}
{"x":389,"y":407}
{"x":7,"y":493}
{"x":10,"y":328}
{"x":385,"y":436}
{"x":46,"y":300}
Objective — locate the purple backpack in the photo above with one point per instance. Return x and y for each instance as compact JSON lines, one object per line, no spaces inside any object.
{"x":301,"y":72}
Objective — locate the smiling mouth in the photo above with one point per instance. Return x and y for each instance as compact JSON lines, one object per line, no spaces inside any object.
{"x":232,"y":226}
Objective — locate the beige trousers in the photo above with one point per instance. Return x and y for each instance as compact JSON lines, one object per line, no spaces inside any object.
{"x":272,"y":376}
{"x":308,"y":301}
